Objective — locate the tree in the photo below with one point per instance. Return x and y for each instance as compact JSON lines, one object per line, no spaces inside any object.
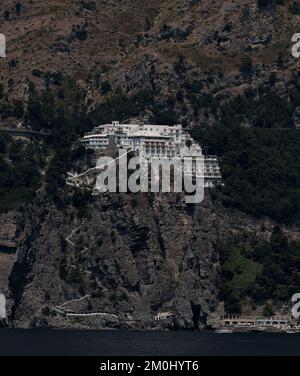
{"x":1,"y":90}
{"x":105,"y":87}
{"x":295,"y":8}
{"x":19,"y":109}
{"x":246,"y":67}
{"x":265,"y":4}
{"x":268,"y":310}
{"x":147,"y":24}
{"x":6,"y":15}
{"x":179,"y":66}
{"x":18,"y":8}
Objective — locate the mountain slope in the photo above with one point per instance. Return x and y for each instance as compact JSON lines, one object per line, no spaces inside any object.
{"x":227,"y":46}
{"x":219,"y":67}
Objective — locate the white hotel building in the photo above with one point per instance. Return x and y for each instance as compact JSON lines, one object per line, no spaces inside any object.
{"x":154,"y":141}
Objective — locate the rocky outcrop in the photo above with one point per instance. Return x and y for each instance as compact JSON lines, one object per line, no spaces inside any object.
{"x":130,"y":258}
{"x":133,"y":256}
{"x":7,"y":233}
{"x":8,"y":247}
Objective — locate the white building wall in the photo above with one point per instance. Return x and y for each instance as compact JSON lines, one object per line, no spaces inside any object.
{"x":155,"y":141}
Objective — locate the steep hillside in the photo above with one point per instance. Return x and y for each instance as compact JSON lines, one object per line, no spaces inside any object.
{"x":192,"y":54}
{"x":131,"y":256}
{"x":222,"y":68}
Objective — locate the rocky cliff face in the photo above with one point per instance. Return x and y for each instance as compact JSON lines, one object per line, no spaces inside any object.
{"x":132,"y":256}
{"x":8,"y":247}
{"x":128,"y":259}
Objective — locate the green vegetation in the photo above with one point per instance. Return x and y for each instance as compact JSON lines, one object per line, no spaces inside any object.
{"x":20,"y":176}
{"x":268,"y":4}
{"x":238,"y":274}
{"x":11,"y":109}
{"x":268,"y":310}
{"x":6,"y":15}
{"x":121,"y":106}
{"x":263,"y":110}
{"x":59,"y":110}
{"x":59,"y":104}
{"x":80,"y":200}
{"x":18,"y":8}
{"x":294,"y":8}
{"x":260,"y":168}
{"x":259,"y":271}
{"x":280,"y":277}
{"x":105,"y":87}
{"x":246,"y":68}
{"x":27,"y":166}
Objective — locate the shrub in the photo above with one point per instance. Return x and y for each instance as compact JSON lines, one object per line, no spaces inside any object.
{"x":260,"y":167}
{"x":105,"y":87}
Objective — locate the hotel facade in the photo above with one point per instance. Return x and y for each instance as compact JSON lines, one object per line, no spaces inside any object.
{"x":156,"y":142}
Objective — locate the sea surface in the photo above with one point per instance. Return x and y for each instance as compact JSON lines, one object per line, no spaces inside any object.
{"x":139,"y":343}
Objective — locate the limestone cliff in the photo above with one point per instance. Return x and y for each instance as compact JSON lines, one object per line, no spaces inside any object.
{"x":129,"y":257}
{"x":132,"y":256}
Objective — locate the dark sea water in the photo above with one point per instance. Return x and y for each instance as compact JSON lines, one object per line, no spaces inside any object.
{"x":130,"y":343}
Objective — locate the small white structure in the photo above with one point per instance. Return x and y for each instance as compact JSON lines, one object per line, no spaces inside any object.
{"x":2,"y":45}
{"x":163,"y":316}
{"x":156,"y":141}
{"x":2,"y":306}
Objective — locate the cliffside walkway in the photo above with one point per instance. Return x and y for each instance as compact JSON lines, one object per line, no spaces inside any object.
{"x":90,"y":314}
{"x":71,"y":313}
{"x":73,"y":301}
{"x":72,"y":178}
{"x":63,"y":310}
